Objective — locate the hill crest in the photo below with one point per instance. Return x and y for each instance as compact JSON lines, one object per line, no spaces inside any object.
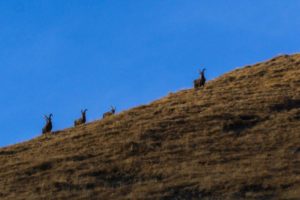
{"x":237,"y":138}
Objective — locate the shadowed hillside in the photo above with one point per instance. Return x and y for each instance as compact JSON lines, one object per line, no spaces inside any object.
{"x":238,"y":138}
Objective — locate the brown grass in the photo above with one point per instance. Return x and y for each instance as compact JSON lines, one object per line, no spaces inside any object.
{"x":238,"y":138}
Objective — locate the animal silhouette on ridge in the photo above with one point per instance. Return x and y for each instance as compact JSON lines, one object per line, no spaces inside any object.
{"x":48,"y":127}
{"x":198,"y":83}
{"x":110,"y":113}
{"x":81,"y":120}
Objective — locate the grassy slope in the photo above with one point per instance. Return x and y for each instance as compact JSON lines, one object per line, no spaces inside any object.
{"x":238,"y":138}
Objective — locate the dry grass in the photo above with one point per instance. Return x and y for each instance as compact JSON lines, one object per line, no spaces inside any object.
{"x":238,"y":138}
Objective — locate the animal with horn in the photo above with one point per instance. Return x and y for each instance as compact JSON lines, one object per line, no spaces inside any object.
{"x":198,"y":83}
{"x":48,"y":127}
{"x":81,"y":120}
{"x":110,"y":113}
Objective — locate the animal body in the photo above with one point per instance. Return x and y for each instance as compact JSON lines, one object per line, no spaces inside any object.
{"x":81,"y":120}
{"x":198,"y":83}
{"x":48,"y":127}
{"x":110,"y":113}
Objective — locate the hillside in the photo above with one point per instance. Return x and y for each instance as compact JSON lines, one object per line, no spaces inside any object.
{"x":238,"y":138}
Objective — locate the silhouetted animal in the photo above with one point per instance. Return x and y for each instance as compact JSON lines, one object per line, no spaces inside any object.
{"x":81,"y":120}
{"x":110,"y":113}
{"x":201,"y":81}
{"x":48,"y":127}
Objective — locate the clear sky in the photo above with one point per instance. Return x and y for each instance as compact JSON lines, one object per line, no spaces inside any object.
{"x":61,"y":56}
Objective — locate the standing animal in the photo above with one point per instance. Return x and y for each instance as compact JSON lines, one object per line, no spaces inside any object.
{"x":81,"y":120}
{"x":110,"y":113}
{"x":201,"y":81}
{"x":48,"y":127}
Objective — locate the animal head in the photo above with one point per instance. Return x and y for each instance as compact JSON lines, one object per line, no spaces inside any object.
{"x":48,"y":118}
{"x":201,"y":72}
{"x":83,"y":112}
{"x":113,"y":109}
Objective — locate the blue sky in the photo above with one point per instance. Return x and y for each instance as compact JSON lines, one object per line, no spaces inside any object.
{"x":61,"y":56}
